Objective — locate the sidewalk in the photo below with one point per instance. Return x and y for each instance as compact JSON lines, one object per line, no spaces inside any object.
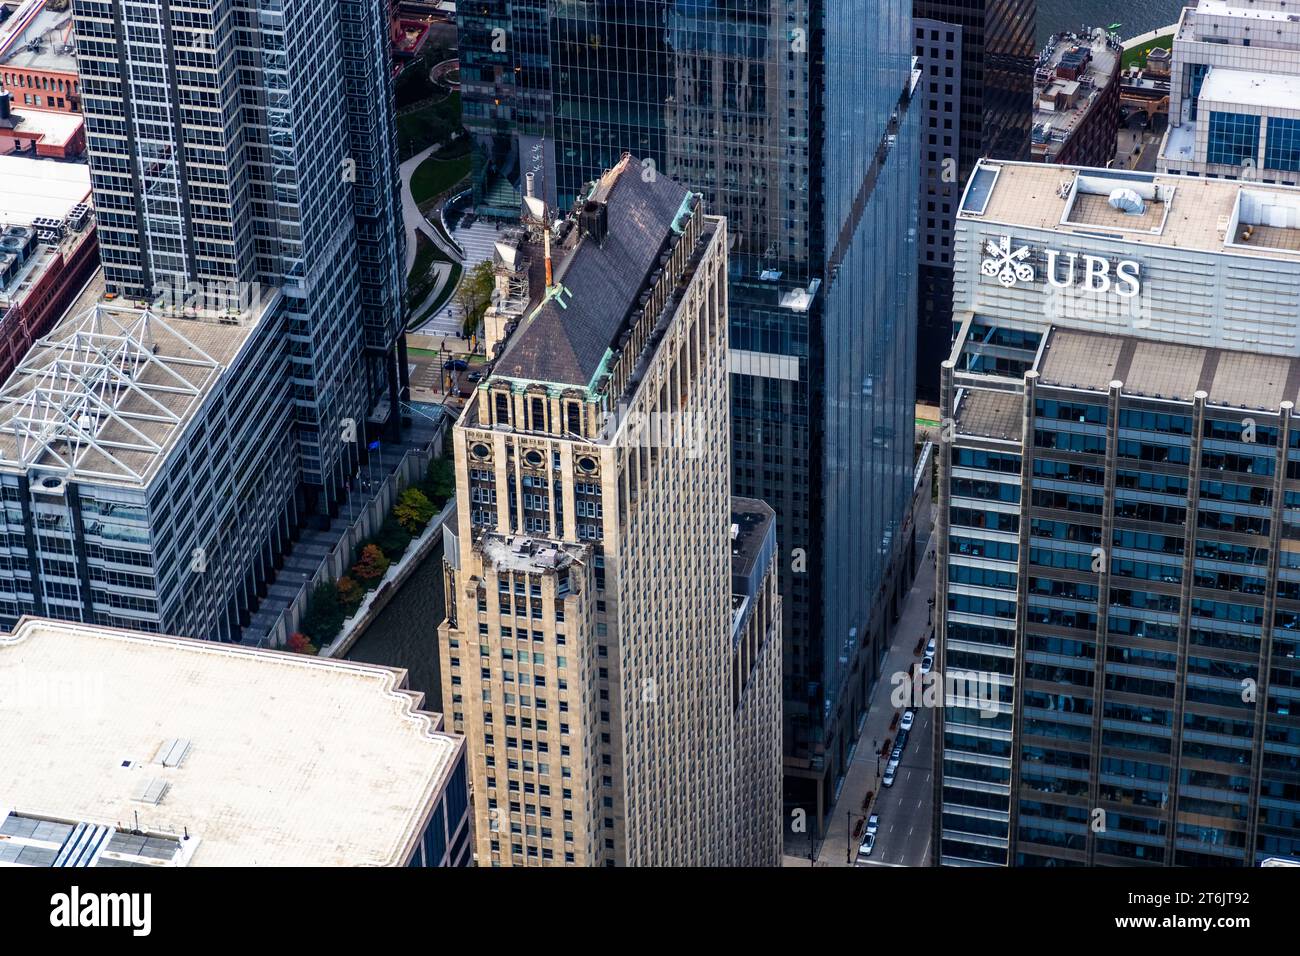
{"x":861,"y":776}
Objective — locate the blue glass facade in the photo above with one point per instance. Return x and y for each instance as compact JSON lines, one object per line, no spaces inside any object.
{"x":1234,"y":139}
{"x":794,"y":120}
{"x":1125,"y":565}
{"x":1282,"y":144}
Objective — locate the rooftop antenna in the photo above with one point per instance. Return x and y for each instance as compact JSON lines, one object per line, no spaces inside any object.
{"x":538,"y":215}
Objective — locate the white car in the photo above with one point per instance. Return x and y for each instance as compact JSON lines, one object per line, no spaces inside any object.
{"x":929,"y":648}
{"x":908,"y":718}
{"x":927,"y":664}
{"x":873,"y":823}
{"x":864,"y":849}
{"x":889,"y":775}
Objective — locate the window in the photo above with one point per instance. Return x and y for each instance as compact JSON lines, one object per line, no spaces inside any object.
{"x":1234,"y":138}
{"x":1282,"y":144}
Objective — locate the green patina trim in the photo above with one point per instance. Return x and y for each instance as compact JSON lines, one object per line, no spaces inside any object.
{"x":683,"y":214}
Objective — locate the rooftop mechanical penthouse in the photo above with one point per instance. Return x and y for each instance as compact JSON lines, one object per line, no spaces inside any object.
{"x":588,"y":654}
{"x":1120,"y":512}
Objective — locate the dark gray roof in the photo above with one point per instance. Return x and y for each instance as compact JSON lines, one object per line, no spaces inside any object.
{"x":566,"y":344}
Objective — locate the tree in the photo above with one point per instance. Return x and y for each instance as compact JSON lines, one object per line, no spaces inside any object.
{"x":350,"y":593}
{"x":474,"y":295}
{"x":298,"y":642}
{"x":413,"y":510}
{"x":392,"y":538}
{"x":324,"y":616}
{"x":371,"y":566}
{"x":439,"y":481}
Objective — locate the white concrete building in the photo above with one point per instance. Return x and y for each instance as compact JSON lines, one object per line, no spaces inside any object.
{"x":119,"y":748}
{"x":1234,"y":102}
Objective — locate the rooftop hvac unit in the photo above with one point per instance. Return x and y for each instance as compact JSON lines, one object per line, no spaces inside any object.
{"x":78,"y":217}
{"x":19,"y":240}
{"x":48,"y":229}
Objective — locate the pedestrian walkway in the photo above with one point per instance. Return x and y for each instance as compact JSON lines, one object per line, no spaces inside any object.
{"x":478,"y":239}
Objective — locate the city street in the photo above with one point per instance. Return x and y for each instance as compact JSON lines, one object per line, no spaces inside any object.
{"x":905,"y":808}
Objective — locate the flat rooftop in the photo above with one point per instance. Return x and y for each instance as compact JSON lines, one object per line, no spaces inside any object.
{"x":1182,"y":212}
{"x":531,"y":554}
{"x":270,"y":758}
{"x":991,"y":414}
{"x":54,"y":128}
{"x":751,"y":519}
{"x":1271,"y":91}
{"x":1168,"y":371}
{"x":46,"y":42}
{"x":108,"y":391}
{"x":34,"y":188}
{"x":566,"y":335}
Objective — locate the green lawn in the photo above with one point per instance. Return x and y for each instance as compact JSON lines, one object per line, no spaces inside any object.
{"x":420,"y":129}
{"x":1138,"y":55}
{"x":435,"y":176}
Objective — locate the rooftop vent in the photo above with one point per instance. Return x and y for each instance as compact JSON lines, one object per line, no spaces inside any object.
{"x":594,"y":220}
{"x":1127,"y":200}
{"x":172,"y":752}
{"x":151,"y":791}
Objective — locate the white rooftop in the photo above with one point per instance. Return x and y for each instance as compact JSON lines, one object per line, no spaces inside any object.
{"x":31,"y":188}
{"x":1273,"y":91}
{"x":291,"y":760}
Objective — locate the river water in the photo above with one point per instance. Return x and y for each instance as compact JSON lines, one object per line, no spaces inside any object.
{"x":406,"y":632}
{"x":1136,"y":16}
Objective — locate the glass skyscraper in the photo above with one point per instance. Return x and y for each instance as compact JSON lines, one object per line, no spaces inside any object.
{"x":1119,"y":569}
{"x":235,"y":142}
{"x":795,"y":121}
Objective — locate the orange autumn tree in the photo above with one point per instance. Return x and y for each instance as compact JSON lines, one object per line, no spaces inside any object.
{"x":370,"y":566}
{"x":350,"y":592}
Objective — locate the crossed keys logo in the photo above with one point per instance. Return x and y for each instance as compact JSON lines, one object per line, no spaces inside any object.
{"x":1008,"y":266}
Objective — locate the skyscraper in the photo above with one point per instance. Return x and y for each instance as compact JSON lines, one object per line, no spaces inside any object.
{"x":976,"y":101}
{"x":235,"y":143}
{"x":795,"y":121}
{"x":1118,"y":570}
{"x":592,"y":654}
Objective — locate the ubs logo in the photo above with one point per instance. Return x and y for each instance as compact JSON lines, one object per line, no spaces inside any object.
{"x":1012,"y":266}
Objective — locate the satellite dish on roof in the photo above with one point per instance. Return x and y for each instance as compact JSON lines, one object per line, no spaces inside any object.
{"x":1127,"y":200}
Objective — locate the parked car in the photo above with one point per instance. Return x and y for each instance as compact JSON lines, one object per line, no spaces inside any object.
{"x":901,"y":742}
{"x":888,"y":781}
{"x":867,"y":845}
{"x":927,"y":664}
{"x":896,"y":757}
{"x":873,"y":823}
{"x":908,"y":718}
{"x":476,"y":376}
{"x":455,"y":365}
{"x":929,"y":648}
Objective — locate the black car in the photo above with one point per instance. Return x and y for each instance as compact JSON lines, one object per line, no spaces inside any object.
{"x":901,"y":742}
{"x":455,"y":365}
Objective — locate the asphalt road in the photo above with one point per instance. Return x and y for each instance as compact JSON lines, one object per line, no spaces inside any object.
{"x":904,"y":808}
{"x":904,"y":835}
